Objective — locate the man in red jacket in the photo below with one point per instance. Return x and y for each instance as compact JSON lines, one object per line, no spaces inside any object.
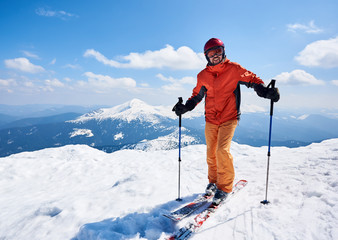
{"x":220,"y":83}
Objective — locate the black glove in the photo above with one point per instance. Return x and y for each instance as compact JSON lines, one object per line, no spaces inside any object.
{"x":180,"y":109}
{"x":269,"y":93}
{"x":273,"y":94}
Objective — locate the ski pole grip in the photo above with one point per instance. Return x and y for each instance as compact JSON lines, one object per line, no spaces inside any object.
{"x":180,"y":100}
{"x":272,"y":84}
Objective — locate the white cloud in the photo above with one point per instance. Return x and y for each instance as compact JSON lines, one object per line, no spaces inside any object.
{"x":30,"y":54}
{"x":323,"y":53}
{"x":53,"y":61}
{"x":310,"y":28}
{"x":29,"y":84}
{"x":101,"y":58}
{"x":176,"y":84}
{"x":298,"y":77}
{"x":103,"y":83}
{"x":50,"y":13}
{"x":7,"y":82}
{"x":174,"y":87}
{"x":72,"y":66}
{"x":166,"y":79}
{"x":188,"y":80}
{"x":146,"y":85}
{"x":46,"y":89}
{"x":251,"y":108}
{"x":24,"y":65}
{"x":54,"y":83}
{"x":334,"y":82}
{"x":184,"y":80}
{"x":182,"y":58}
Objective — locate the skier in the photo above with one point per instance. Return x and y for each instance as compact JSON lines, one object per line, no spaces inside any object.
{"x":220,"y":83}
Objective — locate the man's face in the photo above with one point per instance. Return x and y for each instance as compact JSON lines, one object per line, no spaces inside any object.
{"x":215,"y":55}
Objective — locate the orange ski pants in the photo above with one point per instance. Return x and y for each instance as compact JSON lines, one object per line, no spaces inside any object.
{"x":220,"y":161}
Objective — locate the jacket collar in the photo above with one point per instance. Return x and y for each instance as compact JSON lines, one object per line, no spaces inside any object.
{"x":217,"y":68}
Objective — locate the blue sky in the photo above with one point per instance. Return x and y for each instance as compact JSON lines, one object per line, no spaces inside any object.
{"x":108,"y":52}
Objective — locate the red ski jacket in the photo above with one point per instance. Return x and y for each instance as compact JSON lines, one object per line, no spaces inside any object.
{"x":220,"y":84}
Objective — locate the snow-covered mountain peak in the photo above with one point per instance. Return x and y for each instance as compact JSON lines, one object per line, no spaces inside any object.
{"x":129,"y":111}
{"x":137,"y":103}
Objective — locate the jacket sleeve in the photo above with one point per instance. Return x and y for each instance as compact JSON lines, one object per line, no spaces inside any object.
{"x":197,"y":94}
{"x":248,"y":78}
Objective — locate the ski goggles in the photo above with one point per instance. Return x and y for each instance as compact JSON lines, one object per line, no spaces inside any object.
{"x":214,"y":52}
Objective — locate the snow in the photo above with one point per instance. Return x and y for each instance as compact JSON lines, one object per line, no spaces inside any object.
{"x":79,"y":132}
{"x":166,"y":142}
{"x":80,"y":193}
{"x":118,"y":136}
{"x":303,"y":117}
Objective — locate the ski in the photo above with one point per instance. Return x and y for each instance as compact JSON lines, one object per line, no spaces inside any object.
{"x":192,"y":226}
{"x":189,"y":208}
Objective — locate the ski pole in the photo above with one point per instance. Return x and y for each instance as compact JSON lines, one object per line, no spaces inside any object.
{"x":272,"y":84}
{"x":180,"y":101}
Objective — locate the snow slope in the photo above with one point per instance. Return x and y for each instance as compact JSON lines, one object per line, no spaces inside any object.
{"x":80,"y":193}
{"x":166,"y":142}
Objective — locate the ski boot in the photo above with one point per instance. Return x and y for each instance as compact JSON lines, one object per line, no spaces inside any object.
{"x":211,"y":189}
{"x":219,"y":197}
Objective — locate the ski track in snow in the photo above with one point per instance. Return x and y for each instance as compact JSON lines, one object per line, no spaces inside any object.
{"x":80,"y":193}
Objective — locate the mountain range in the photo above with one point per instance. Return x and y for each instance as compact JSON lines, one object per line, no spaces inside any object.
{"x":137,"y":125}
